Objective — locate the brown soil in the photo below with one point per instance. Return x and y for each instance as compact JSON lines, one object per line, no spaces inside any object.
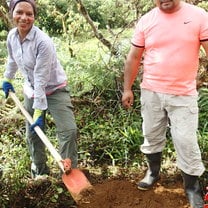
{"x":108,"y":192}
{"x":123,"y":193}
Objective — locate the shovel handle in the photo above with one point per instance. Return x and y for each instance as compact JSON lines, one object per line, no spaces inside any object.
{"x":39,"y":132}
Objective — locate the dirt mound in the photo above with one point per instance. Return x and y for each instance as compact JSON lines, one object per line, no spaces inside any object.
{"x":115,"y":193}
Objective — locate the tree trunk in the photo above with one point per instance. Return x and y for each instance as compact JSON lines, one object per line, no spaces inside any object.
{"x":4,"y":14}
{"x":97,"y":33}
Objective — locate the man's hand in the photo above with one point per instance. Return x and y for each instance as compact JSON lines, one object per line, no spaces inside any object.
{"x":7,"y":86}
{"x":127,"y":98}
{"x":38,"y":119}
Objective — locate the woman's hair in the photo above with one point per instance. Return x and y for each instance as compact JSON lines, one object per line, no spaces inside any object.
{"x":13,"y":3}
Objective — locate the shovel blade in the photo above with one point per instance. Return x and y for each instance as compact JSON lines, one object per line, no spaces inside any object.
{"x":77,"y":183}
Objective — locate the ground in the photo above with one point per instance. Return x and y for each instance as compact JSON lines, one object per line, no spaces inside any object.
{"x":123,"y":193}
{"x":108,"y":192}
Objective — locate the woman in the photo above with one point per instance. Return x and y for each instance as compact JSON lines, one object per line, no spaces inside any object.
{"x":45,"y":85}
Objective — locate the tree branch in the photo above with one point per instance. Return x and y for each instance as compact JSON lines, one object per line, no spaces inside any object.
{"x":97,"y":33}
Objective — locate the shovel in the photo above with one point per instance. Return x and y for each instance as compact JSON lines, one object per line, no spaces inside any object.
{"x":206,"y":199}
{"x":74,"y":179}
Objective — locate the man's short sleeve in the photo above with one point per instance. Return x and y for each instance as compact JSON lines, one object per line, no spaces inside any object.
{"x":138,"y":36}
{"x":204,"y":27}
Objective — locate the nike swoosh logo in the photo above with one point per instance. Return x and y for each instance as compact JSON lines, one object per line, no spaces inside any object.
{"x":187,"y":22}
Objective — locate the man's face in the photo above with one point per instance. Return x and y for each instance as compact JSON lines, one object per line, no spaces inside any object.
{"x":168,"y":6}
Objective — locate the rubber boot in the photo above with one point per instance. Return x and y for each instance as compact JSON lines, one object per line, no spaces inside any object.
{"x":152,"y":174}
{"x":193,"y":190}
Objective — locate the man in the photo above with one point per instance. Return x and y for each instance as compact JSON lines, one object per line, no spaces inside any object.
{"x":169,"y":36}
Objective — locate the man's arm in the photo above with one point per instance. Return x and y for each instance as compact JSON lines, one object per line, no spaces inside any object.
{"x":130,"y":72}
{"x":205,"y":46}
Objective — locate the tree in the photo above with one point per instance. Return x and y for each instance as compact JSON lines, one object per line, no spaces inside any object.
{"x":4,"y":14}
{"x":97,"y":33}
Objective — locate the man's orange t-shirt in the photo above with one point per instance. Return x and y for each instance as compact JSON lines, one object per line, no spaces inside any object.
{"x":172,"y":43}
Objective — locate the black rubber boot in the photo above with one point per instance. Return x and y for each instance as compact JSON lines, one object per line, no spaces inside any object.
{"x":153,"y":172}
{"x":193,"y":190}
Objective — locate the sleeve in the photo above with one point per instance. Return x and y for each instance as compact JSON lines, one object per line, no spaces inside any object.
{"x":138,"y":36}
{"x":11,"y":66}
{"x":41,"y":74}
{"x":204,"y":27}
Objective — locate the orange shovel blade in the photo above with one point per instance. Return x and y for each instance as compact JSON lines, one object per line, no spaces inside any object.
{"x":76,"y":182}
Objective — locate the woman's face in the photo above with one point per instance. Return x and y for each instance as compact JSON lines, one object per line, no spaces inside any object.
{"x":23,"y":17}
